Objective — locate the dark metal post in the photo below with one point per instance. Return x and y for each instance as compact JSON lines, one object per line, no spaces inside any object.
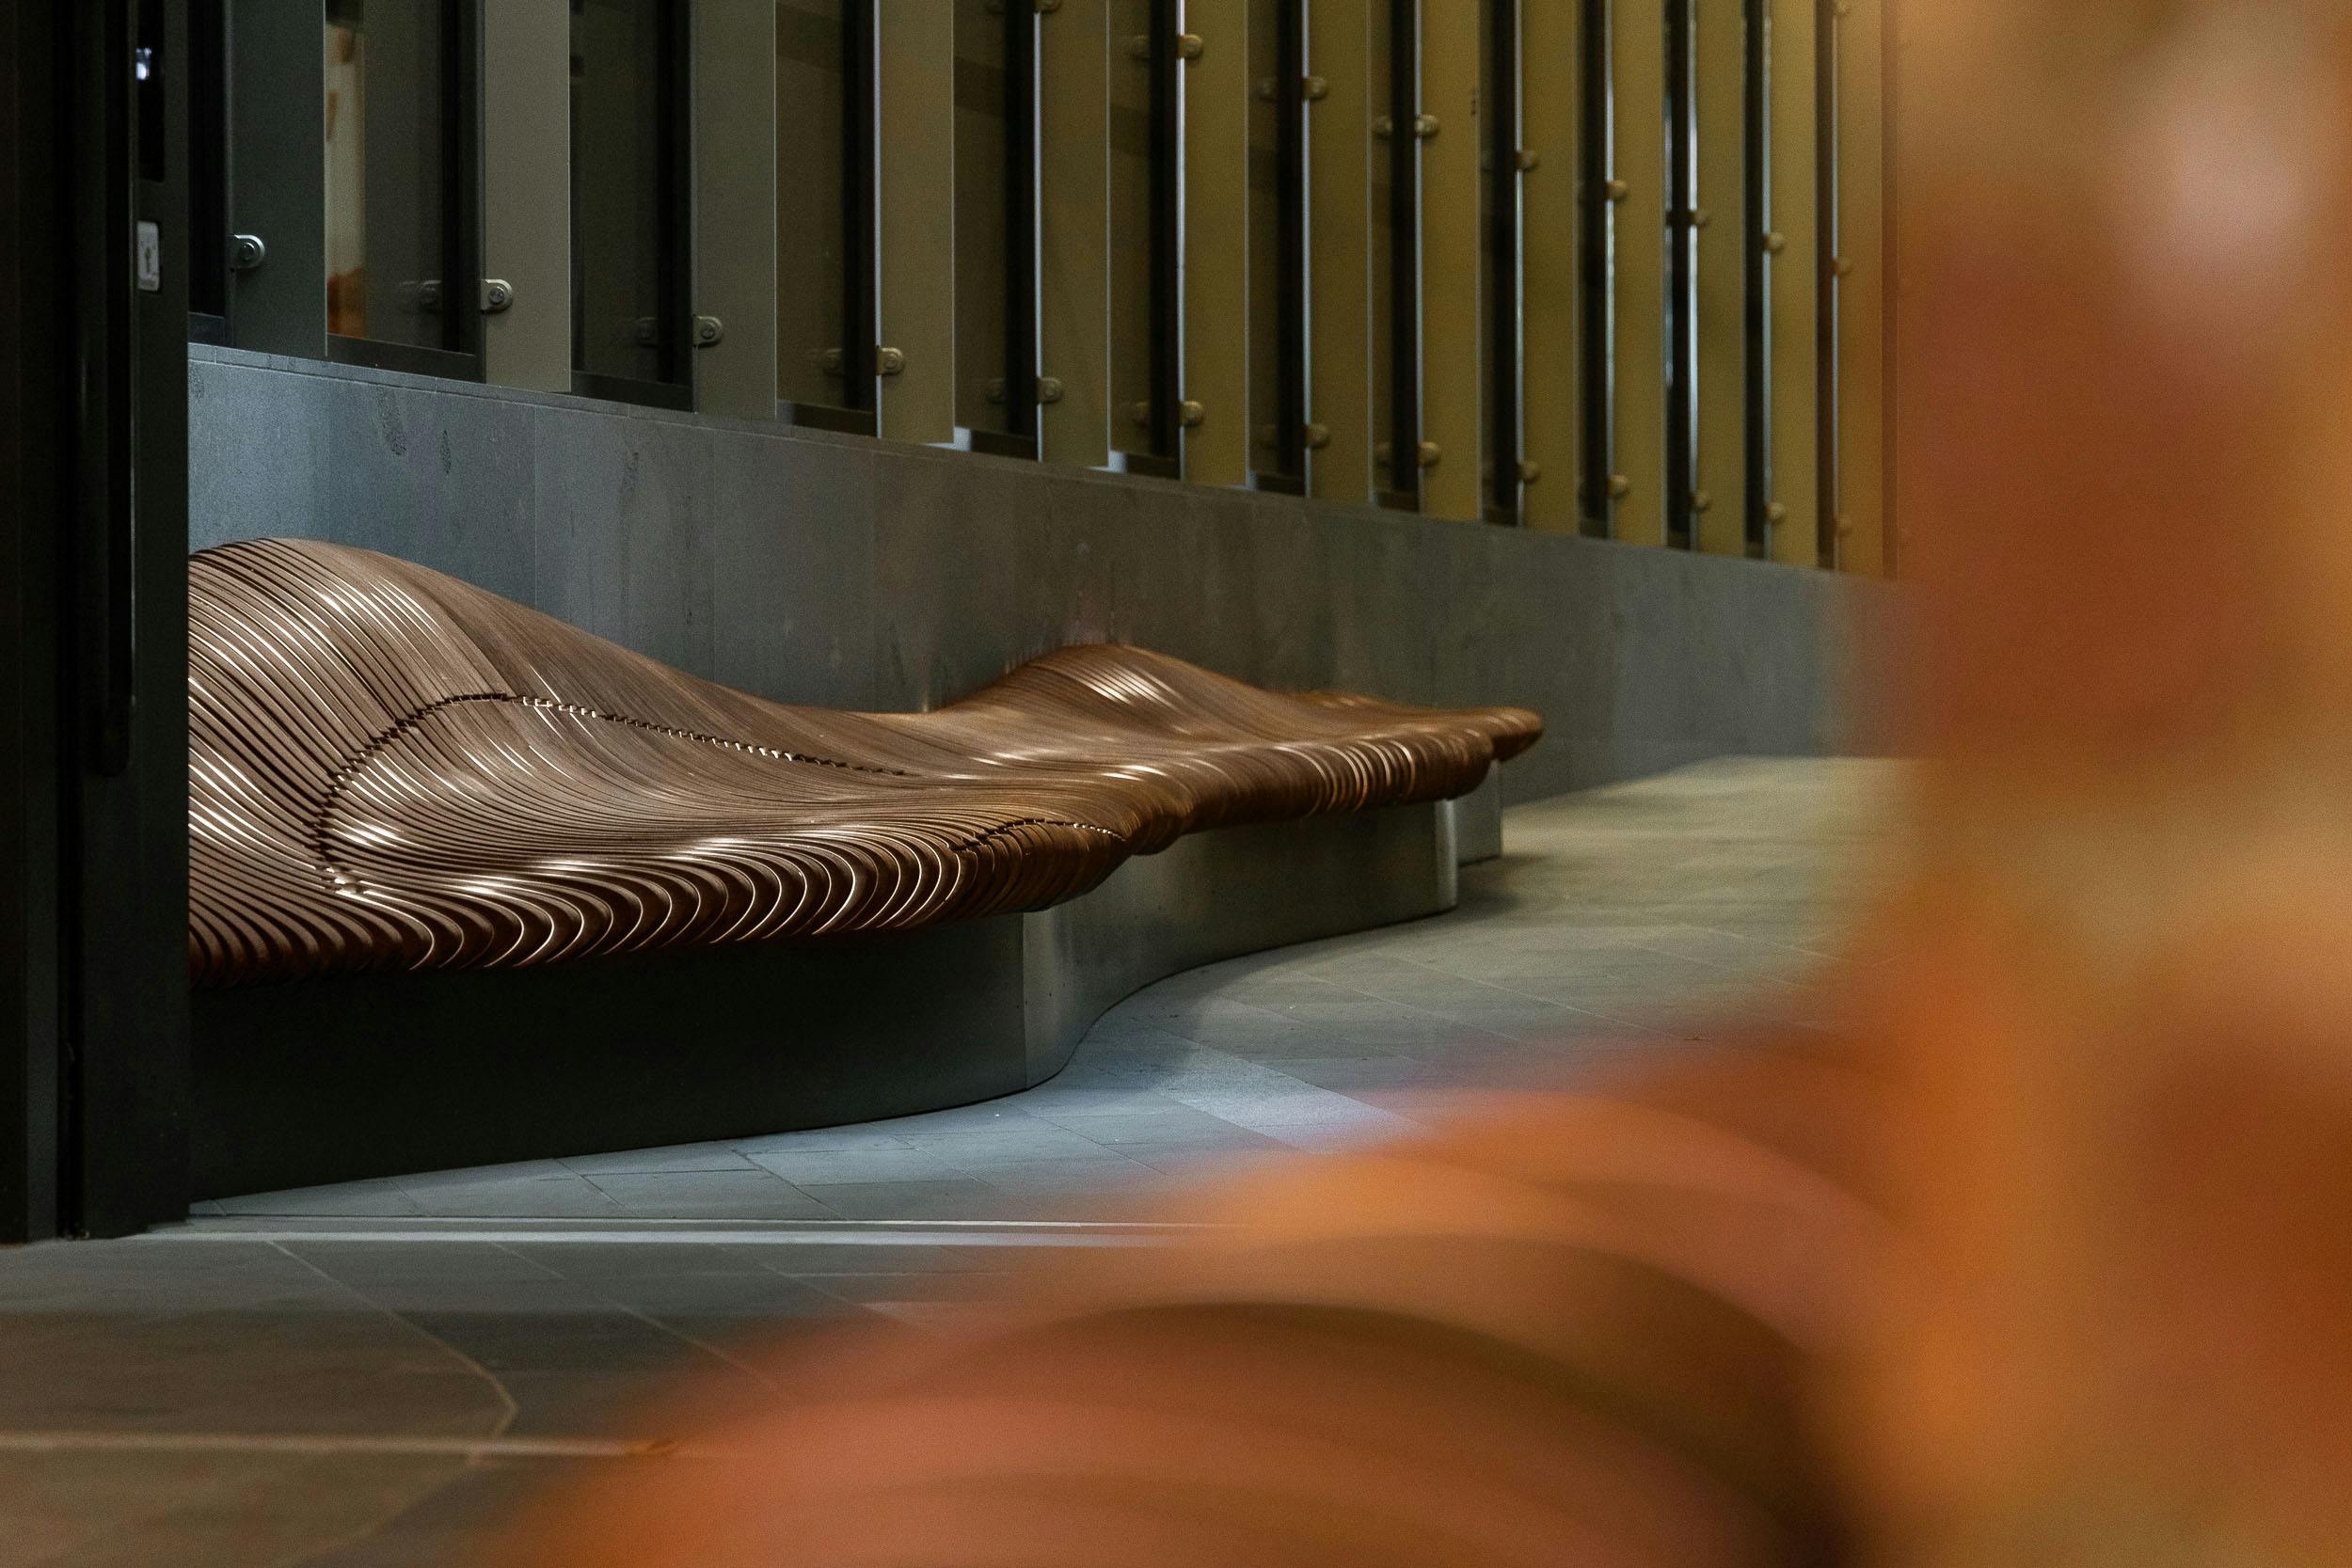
{"x":1404,"y":252}
{"x":1505,"y":277}
{"x":1758,"y":223}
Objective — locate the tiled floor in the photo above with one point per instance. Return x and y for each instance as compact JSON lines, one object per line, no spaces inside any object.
{"x":369,"y":1375}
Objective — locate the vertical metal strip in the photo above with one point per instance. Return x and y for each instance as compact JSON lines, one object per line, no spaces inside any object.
{"x":916,"y":229}
{"x":1073,"y":232}
{"x":1756,"y":222}
{"x":1596,"y":321}
{"x":1453,"y":257}
{"x":1506,"y":301}
{"x":732,"y":77}
{"x":1340,"y":149}
{"x":1215,"y":251}
{"x":1793,"y":509}
{"x":1722,"y":502}
{"x":526,"y":192}
{"x":1826,"y":323}
{"x":1022,"y":370}
{"x":1283,"y":457}
{"x":1638,"y":92}
{"x":1682,"y":378}
{"x":1168,"y":226}
{"x":1861,"y":273}
{"x":1403,"y":435}
{"x":1552,"y":386}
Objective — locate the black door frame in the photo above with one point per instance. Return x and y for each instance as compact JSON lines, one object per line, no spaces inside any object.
{"x":93,"y":618}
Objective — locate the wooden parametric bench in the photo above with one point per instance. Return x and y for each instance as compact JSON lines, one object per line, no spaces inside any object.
{"x":469,"y":884}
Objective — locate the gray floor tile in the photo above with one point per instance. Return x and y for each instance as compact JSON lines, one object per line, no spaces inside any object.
{"x":357,"y":1198}
{"x":686,"y":1157}
{"x":749,"y":1193}
{"x":837,"y":1166}
{"x":861,"y":1289}
{"x":955,"y":1197}
{"x":1621,"y":925}
{"x":564,"y":1197}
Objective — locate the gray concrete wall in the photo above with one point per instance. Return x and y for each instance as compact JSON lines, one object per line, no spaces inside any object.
{"x":845,"y":572}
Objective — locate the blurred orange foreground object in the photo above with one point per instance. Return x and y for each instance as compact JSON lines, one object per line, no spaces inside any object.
{"x":1575,"y":1331}
{"x":2099,"y":1089}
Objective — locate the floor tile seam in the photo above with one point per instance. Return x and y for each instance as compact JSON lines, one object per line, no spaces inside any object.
{"x":1585,"y":1012}
{"x":327,"y":1445}
{"x":1462,"y":979}
{"x":789,"y":1186}
{"x":313,"y":1552}
{"x":513,"y":1408}
{"x":1725,"y":969}
{"x":1105,"y":1154}
{"x":956,"y":1170}
{"x":1080,"y":1235}
{"x":1421,"y":1012}
{"x":660,"y":1326}
{"x":573,"y":1168}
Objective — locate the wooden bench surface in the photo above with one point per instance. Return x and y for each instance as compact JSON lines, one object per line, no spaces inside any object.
{"x":390,"y":769}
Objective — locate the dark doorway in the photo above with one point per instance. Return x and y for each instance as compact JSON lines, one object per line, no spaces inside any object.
{"x":93,"y":616}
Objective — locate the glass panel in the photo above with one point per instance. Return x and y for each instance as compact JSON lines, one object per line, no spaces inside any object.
{"x":623,"y":202}
{"x":387,"y":167}
{"x":1274,"y":108}
{"x":1139,"y":51}
{"x":982,"y":103}
{"x":811,"y":252}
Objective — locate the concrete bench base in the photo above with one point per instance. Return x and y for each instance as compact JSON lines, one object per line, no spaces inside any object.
{"x":343,"y":1077}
